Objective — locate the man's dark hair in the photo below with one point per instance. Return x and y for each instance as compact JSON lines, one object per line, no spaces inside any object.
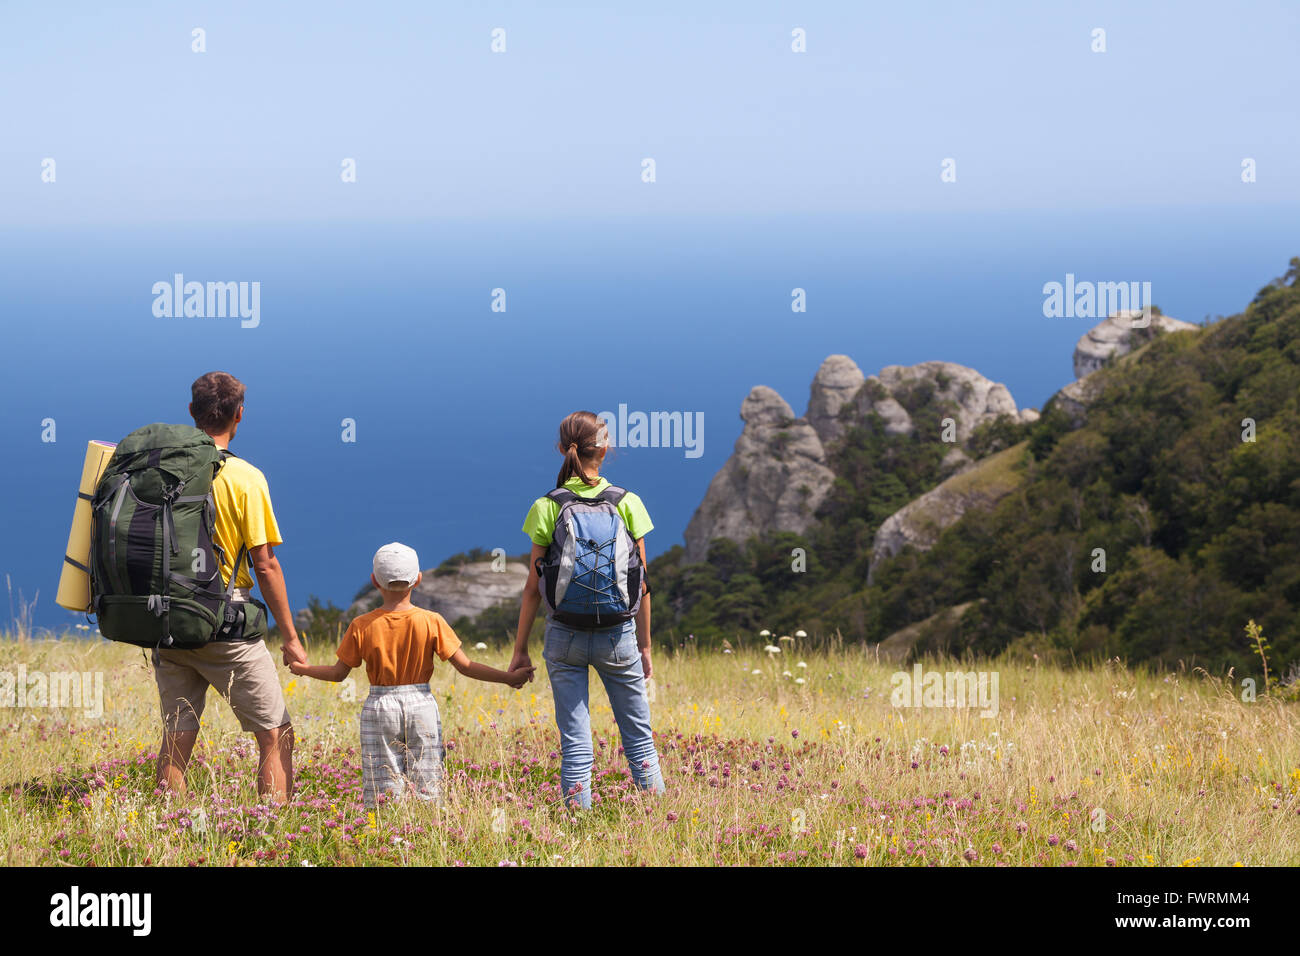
{"x":214,"y":400}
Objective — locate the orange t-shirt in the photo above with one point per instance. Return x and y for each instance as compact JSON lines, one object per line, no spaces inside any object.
{"x":398,"y":647}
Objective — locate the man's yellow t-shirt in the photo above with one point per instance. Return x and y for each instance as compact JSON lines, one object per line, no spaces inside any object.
{"x":244,"y":515}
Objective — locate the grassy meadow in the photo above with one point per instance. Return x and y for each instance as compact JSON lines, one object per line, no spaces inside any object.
{"x":795,"y":758}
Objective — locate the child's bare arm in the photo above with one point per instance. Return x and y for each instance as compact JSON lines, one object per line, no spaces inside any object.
{"x":515,"y":678}
{"x":331,"y":672}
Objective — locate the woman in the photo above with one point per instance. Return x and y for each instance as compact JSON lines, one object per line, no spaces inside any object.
{"x":620,"y":654}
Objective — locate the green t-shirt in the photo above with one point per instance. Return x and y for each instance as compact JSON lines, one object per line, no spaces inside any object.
{"x":540,"y":523}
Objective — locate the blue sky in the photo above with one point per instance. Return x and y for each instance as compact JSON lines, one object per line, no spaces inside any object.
{"x":475,"y":170}
{"x":143,"y":129}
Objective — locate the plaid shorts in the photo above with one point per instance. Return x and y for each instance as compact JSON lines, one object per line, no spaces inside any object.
{"x":401,"y":743}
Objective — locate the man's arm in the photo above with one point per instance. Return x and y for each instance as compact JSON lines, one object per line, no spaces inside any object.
{"x":270,"y":579}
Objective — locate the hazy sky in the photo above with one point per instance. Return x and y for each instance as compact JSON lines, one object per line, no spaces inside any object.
{"x":142,"y":128}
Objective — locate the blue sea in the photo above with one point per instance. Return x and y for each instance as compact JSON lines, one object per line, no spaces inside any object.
{"x":456,"y":406}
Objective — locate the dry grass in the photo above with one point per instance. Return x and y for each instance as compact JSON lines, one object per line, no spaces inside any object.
{"x":1085,"y":767}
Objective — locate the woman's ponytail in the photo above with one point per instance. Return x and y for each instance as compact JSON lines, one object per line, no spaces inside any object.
{"x":582,"y":436}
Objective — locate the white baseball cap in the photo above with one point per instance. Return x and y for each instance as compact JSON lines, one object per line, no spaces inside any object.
{"x":396,"y":566}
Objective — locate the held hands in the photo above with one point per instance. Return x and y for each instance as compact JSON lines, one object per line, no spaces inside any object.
{"x":519,"y":676}
{"x":520,"y":659}
{"x":521,"y":669}
{"x":293,"y":652}
{"x":298,"y":667}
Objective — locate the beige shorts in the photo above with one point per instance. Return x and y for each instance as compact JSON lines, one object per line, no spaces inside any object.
{"x":241,"y":671}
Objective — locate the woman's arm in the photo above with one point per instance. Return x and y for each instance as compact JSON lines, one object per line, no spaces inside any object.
{"x":528,"y":605}
{"x":643,"y":617}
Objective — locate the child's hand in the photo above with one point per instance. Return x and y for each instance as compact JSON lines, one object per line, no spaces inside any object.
{"x":520,"y":676}
{"x":297,"y":667}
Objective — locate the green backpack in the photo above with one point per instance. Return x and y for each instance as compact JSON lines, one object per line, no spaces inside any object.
{"x":155,"y":566}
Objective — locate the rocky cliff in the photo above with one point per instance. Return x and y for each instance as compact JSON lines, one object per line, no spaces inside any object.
{"x":780,"y":471}
{"x":782,"y":466}
{"x":1113,"y":339}
{"x":919,"y":523}
{"x":774,"y":480}
{"x":1119,"y":335}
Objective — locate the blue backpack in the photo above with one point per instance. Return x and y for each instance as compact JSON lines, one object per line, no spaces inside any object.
{"x":591,"y":574}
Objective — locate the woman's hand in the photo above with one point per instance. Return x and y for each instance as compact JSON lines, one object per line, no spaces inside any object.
{"x":521,"y":659}
{"x":518,"y":677}
{"x":646,"y":668}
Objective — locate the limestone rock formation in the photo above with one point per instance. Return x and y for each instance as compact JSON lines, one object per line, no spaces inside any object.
{"x":780,"y":471}
{"x":834,"y":386}
{"x":1119,"y":335}
{"x":919,"y":523}
{"x":774,"y":480}
{"x":874,"y":397}
{"x":977,"y":399}
{"x":1075,"y":398}
{"x":1115,"y":337}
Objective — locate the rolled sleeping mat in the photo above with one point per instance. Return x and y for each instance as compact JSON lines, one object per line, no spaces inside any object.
{"x":74,"y":582}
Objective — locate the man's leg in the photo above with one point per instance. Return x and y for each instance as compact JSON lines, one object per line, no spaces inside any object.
{"x":275,"y":763}
{"x":173,"y":757}
{"x":181,"y":692}
{"x":245,"y":675}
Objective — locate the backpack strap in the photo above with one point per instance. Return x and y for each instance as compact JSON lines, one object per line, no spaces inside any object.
{"x":234,"y":572}
{"x":562,"y":496}
{"x":234,"y":576}
{"x":613,"y":494}
{"x":160,"y":604}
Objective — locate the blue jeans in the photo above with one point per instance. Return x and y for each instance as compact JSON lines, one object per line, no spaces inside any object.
{"x":613,"y":652}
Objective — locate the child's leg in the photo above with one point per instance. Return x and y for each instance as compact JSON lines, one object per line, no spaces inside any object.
{"x":381,"y":746}
{"x":424,"y":751}
{"x":617,"y":660}
{"x":565,"y":651}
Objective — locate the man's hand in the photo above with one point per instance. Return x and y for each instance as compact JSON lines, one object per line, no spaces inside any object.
{"x":294,"y":652}
{"x":646,"y":668}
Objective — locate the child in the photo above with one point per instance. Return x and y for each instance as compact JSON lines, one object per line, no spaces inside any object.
{"x":401,"y":732}
{"x":619,"y":652}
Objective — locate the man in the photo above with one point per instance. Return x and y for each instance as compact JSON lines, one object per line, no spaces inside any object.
{"x":240,"y":668}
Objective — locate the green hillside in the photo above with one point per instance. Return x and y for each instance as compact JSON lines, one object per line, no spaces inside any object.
{"x":1200,"y":529}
